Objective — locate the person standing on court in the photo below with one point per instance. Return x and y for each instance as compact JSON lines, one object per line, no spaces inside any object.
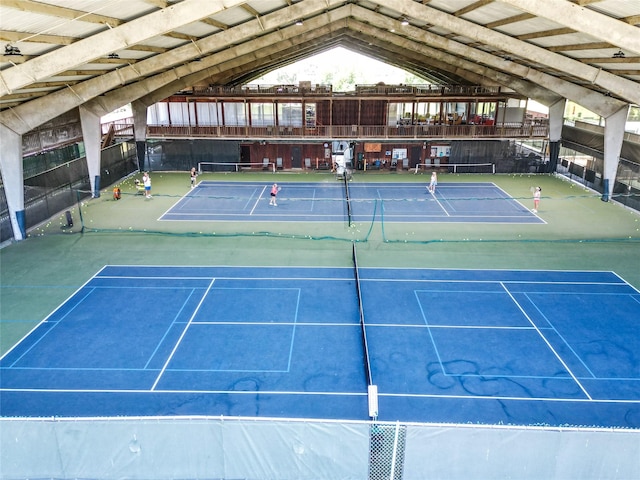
{"x":274,"y":194}
{"x":433,"y":183}
{"x":194,"y":175}
{"x":146,"y":181}
{"x":536,"y":199}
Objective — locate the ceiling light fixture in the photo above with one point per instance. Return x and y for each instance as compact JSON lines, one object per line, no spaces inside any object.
{"x":299,"y":23}
{"x":618,"y":54}
{"x":10,"y":50}
{"x":404,"y":22}
{"x":113,"y":56}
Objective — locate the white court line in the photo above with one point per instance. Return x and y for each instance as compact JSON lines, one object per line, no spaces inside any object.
{"x":575,"y":379}
{"x":258,"y":200}
{"x":448,"y":280}
{"x":338,"y":394}
{"x":496,"y":397}
{"x":184,"y":331}
{"x":199,"y":392}
{"x":440,"y":204}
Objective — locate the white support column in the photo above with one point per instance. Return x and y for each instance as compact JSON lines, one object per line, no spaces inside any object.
{"x":613,"y":137}
{"x":556,"y":121}
{"x":92,"y":136}
{"x":12,"y":179}
{"x":139,"y":110}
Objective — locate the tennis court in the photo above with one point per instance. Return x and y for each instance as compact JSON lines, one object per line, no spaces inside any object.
{"x":479,"y":202}
{"x":522,"y":347}
{"x":128,"y":339}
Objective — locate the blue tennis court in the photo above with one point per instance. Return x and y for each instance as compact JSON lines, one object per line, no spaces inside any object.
{"x":326,"y":202}
{"x":478,"y":346}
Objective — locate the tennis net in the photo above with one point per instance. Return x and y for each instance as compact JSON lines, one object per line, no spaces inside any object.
{"x":211,"y":167}
{"x":458,"y":167}
{"x":363,"y":328}
{"x":348,"y":199}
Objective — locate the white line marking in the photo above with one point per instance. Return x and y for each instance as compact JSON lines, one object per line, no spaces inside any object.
{"x":258,"y":200}
{"x":575,"y":379}
{"x":184,"y":331}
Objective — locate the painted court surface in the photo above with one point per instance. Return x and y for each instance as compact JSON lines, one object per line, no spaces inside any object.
{"x":480,"y":346}
{"x":481,"y":202}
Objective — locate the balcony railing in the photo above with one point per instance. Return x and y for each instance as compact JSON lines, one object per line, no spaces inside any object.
{"x":326,"y":89}
{"x":373,"y":132}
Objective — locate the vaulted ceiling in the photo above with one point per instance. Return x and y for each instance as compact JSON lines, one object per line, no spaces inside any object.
{"x":102,"y":54}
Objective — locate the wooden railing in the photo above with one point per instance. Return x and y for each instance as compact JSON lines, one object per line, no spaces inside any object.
{"x":327,"y":89}
{"x":408,"y":132}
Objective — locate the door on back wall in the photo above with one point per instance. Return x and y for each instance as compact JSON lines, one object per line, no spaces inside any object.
{"x":245,"y":153}
{"x":416,"y":156}
{"x":296,"y":157}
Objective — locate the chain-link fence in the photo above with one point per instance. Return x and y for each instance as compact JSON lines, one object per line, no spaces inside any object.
{"x":386,"y":451}
{"x":52,"y":181}
{"x":588,"y":170}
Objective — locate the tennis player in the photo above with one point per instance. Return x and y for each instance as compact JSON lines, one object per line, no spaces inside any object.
{"x":146,"y":181}
{"x":536,"y":199}
{"x":194,"y":175}
{"x":274,"y":194}
{"x":433,"y":183}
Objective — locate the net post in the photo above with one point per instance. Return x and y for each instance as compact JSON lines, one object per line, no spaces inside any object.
{"x":493,"y":168}
{"x":372,"y":394}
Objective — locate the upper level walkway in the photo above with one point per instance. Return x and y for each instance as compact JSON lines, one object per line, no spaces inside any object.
{"x":354,"y":132}
{"x":376,"y":112}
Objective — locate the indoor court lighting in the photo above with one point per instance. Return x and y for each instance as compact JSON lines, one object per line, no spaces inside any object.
{"x":405,"y":22}
{"x":113,"y":56}
{"x":618,"y":54}
{"x":10,"y":50}
{"x":299,"y":23}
